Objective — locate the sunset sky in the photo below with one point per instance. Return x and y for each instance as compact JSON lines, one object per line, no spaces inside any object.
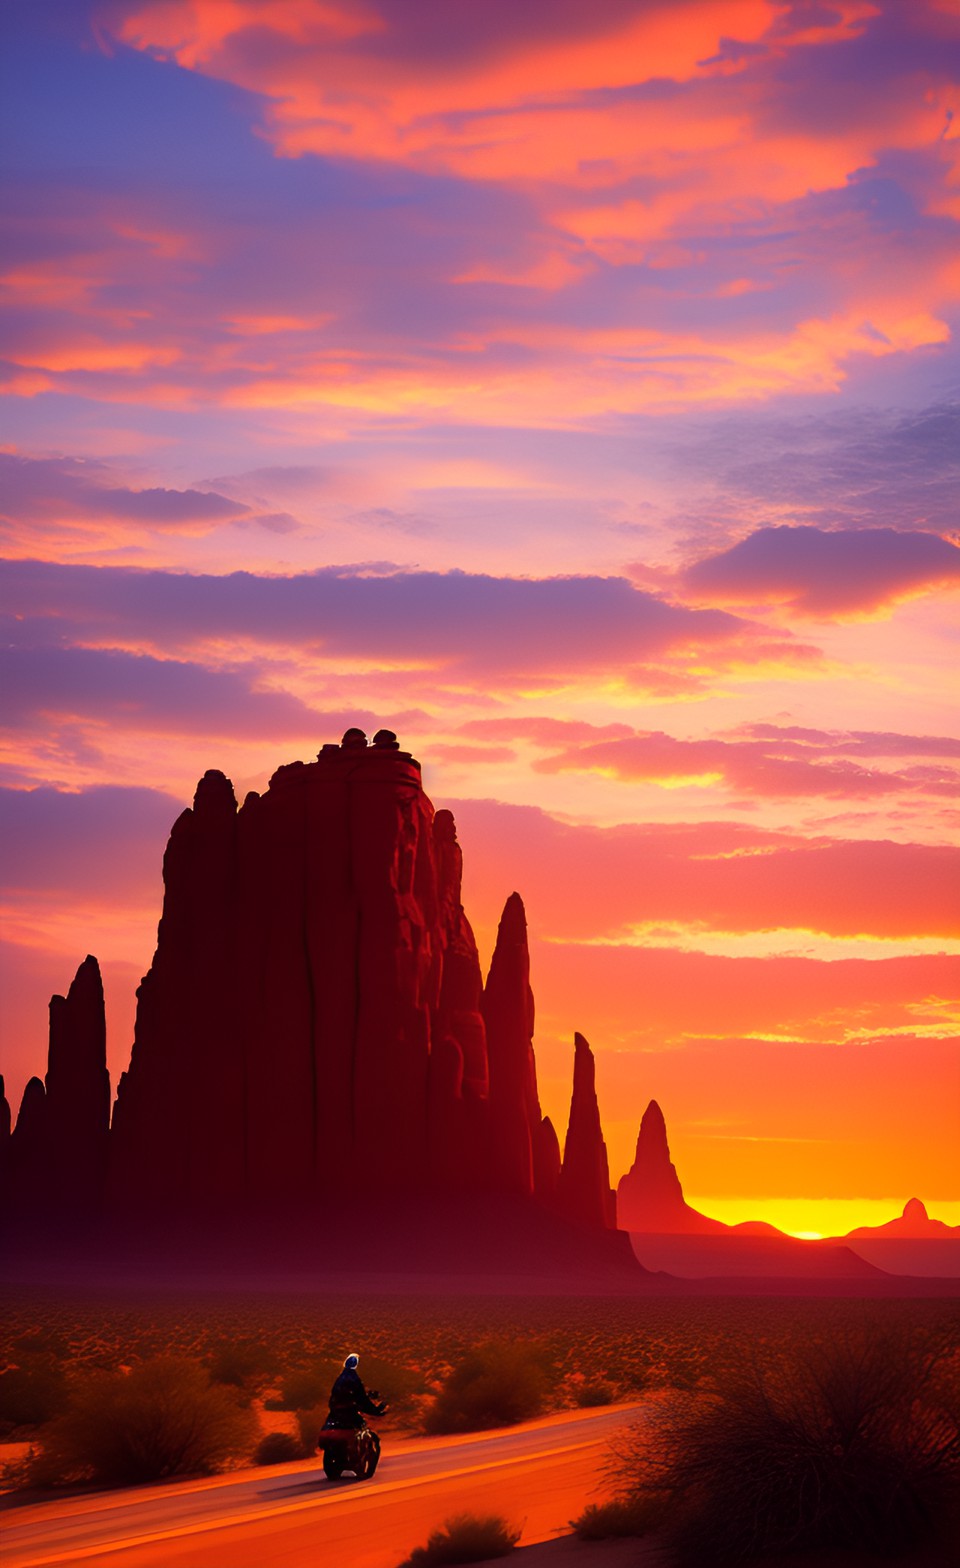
{"x":573,"y":388}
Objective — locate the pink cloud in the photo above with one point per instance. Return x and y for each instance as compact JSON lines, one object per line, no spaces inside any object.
{"x":66,"y":490}
{"x":773,"y":767}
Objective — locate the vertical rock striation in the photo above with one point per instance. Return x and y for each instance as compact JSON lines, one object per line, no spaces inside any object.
{"x":583,"y":1192}
{"x":314,"y":1021}
{"x":314,"y":1027}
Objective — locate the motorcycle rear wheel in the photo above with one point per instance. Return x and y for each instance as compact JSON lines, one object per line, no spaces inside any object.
{"x":332,"y":1464}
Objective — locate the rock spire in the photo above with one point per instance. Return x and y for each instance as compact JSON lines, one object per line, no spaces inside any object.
{"x":57,"y":1153}
{"x":583,"y":1189}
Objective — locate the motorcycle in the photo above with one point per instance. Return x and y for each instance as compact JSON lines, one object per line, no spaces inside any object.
{"x":349,"y":1448}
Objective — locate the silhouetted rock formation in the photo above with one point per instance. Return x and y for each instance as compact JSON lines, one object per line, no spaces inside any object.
{"x":649,"y":1196}
{"x":583,"y":1190}
{"x":6,"y":1122}
{"x":77,"y":1113}
{"x":507,"y":1006}
{"x":58,"y":1149}
{"x":314,"y":1021}
{"x":914,"y":1224}
{"x":28,"y":1187}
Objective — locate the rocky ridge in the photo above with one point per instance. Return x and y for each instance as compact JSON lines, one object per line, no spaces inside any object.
{"x":314,"y":1017}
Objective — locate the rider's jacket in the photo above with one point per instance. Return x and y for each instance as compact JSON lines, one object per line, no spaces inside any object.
{"x":348,"y":1397}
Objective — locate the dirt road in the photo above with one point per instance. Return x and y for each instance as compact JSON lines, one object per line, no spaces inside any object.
{"x":539,"y":1476}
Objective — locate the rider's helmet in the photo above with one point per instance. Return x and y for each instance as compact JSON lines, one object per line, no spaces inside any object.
{"x":351,"y":1363}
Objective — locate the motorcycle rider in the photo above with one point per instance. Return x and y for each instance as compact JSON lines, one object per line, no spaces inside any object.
{"x":349,"y":1400}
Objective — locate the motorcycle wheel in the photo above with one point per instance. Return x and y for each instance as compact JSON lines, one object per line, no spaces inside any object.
{"x":332,"y":1464}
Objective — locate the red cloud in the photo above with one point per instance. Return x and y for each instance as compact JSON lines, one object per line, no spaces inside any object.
{"x":825,"y":573}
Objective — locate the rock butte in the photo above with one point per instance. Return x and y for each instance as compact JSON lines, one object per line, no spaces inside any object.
{"x":315,"y":1008}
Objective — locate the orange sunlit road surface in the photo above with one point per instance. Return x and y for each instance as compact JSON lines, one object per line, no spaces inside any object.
{"x":539,"y":1475}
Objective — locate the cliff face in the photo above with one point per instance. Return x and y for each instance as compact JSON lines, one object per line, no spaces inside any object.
{"x":314,"y":1020}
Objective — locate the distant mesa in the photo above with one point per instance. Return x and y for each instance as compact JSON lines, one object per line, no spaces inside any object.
{"x":668,"y":1234}
{"x":914,"y":1224}
{"x":314,"y":1030}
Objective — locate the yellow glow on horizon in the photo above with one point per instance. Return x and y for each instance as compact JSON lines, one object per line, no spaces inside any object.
{"x":814,"y":1217}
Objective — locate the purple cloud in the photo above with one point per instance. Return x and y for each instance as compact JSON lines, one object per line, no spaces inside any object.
{"x":65,"y":489}
{"x":98,"y":844}
{"x":162,"y":696}
{"x":454,"y":623}
{"x":822,"y":573}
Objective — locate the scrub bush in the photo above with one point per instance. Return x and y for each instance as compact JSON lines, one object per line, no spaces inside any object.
{"x":848,"y":1446}
{"x":590,"y":1395}
{"x":163,"y":1418}
{"x":301,"y":1388}
{"x":620,"y":1516}
{"x":496,"y":1384}
{"x":243,"y":1363}
{"x":31,"y":1395}
{"x":309,"y":1423}
{"x":277,"y":1448}
{"x":466,"y":1538}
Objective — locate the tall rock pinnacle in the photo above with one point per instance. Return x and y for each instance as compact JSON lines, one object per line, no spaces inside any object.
{"x":57,"y":1155}
{"x":650,"y":1197}
{"x":509,"y":1016}
{"x":583,"y":1190}
{"x":77,"y":1110}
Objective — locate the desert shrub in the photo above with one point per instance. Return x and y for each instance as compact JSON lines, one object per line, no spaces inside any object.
{"x":466,"y":1538}
{"x":243,"y":1363}
{"x":309,"y":1423}
{"x":301,"y":1388}
{"x":634,"y":1515}
{"x":850,"y":1446}
{"x":589,"y":1395}
{"x":496,"y":1384}
{"x":278,"y":1448}
{"x":31,"y":1395}
{"x":398,"y":1385}
{"x":161,"y":1419}
{"x":41,"y":1341}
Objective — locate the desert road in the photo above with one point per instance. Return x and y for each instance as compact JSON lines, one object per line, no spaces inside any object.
{"x":539,"y":1475}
